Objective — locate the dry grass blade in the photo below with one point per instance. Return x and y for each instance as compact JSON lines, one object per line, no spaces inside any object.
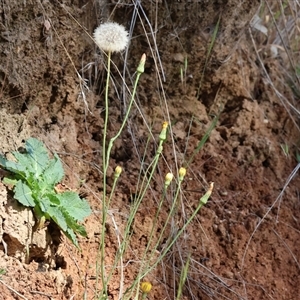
{"x":13,"y":290}
{"x":209,"y":52}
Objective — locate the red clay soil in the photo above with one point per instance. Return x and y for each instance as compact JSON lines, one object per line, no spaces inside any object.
{"x":244,"y":244}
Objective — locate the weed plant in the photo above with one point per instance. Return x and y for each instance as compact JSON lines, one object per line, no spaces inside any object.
{"x":108,"y":37}
{"x":153,"y":255}
{"x":279,"y":17}
{"x":34,"y":177}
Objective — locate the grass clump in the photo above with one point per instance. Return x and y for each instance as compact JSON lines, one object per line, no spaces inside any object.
{"x":34,"y":177}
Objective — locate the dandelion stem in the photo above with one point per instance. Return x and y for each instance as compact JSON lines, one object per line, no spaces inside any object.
{"x":106,"y":156}
{"x":110,"y":37}
{"x":105,"y":166}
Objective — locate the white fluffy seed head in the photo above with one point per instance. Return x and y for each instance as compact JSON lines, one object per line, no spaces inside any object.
{"x":111,"y":37}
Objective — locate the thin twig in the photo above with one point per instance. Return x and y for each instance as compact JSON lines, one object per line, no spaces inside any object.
{"x":41,"y":293}
{"x":12,"y":290}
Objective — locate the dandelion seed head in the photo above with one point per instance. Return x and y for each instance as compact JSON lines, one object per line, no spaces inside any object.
{"x":111,"y":37}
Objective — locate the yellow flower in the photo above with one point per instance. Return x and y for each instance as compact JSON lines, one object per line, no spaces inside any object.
{"x":163,"y":133}
{"x":146,"y":287}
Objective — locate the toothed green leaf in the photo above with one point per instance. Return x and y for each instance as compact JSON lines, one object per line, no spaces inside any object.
{"x":58,"y":217}
{"x":12,"y":166}
{"x":37,"y":156}
{"x":23,"y":194}
{"x":54,"y":172}
{"x":69,"y":233}
{"x":77,"y":208}
{"x":34,"y":177}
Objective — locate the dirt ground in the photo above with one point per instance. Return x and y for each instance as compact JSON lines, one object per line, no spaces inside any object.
{"x":244,"y":244}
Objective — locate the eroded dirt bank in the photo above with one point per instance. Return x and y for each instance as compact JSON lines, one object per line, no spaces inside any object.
{"x":52,"y":83}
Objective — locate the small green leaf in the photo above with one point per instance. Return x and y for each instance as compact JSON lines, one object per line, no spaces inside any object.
{"x":58,"y":217}
{"x":71,"y":222}
{"x":10,"y":181}
{"x":54,"y":172}
{"x":12,"y":166}
{"x":24,"y":161}
{"x":80,"y":229}
{"x":44,"y":204}
{"x":69,"y":233}
{"x":77,"y":208}
{"x":53,"y":199}
{"x":37,"y":156}
{"x":40,"y":185}
{"x":23,"y":194}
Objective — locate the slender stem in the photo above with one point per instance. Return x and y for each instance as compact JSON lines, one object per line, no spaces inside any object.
{"x":108,"y":203}
{"x":203,"y":200}
{"x":171,"y":214}
{"x":136,"y":205}
{"x":146,"y":261}
{"x":105,"y":161}
{"x":111,"y":142}
{"x":12,"y":290}
{"x":106,"y":121}
{"x":105,"y":166}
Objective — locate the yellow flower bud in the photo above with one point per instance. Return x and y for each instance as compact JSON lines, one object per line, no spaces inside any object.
{"x":146,"y":287}
{"x":141,"y":66}
{"x":181,"y":173}
{"x":118,"y":171}
{"x":163,"y":134}
{"x":168,"y":179}
{"x":165,"y":124}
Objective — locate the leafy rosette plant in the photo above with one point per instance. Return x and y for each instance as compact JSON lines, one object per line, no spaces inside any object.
{"x":34,"y":177}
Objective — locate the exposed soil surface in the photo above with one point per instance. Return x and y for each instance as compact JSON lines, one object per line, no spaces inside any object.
{"x":244,"y":244}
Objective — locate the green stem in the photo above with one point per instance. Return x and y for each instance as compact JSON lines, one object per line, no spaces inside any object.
{"x":172,"y":212}
{"x":109,"y":200}
{"x":105,"y":161}
{"x":148,"y":260}
{"x":203,"y":200}
{"x":112,"y":140}
{"x":137,"y":203}
{"x":105,"y":166}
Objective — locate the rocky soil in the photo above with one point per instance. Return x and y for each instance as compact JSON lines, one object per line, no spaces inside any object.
{"x":244,"y":244}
